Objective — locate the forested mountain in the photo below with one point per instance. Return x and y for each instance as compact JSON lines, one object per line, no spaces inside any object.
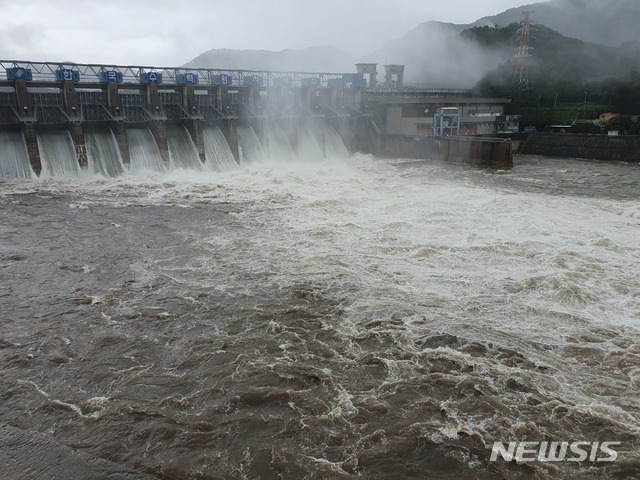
{"x":605,"y":22}
{"x":565,"y":68}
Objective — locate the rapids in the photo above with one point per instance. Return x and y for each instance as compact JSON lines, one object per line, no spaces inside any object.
{"x":344,"y":318}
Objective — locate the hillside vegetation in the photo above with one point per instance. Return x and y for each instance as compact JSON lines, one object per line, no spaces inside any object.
{"x":568,"y":78}
{"x":604,"y":22}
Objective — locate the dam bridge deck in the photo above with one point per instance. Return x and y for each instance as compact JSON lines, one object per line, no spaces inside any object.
{"x":56,"y":93}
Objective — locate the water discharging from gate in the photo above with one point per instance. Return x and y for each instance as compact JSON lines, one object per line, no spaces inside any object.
{"x":14,"y":158}
{"x":143,"y":151}
{"x":250,"y":148}
{"x":217,"y":149}
{"x":58,"y":154}
{"x":182,"y":151}
{"x":308,"y":147}
{"x":103,"y":153}
{"x":278,"y":145}
{"x":334,"y":146}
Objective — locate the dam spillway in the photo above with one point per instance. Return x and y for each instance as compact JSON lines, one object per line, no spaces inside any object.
{"x":14,"y":158}
{"x":62,"y":119}
{"x":59,"y":158}
{"x":103,"y":119}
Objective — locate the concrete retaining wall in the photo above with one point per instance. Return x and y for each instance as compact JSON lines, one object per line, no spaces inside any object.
{"x":592,"y":147}
{"x":482,"y":152}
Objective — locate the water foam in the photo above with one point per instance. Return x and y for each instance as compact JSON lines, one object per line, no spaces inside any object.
{"x":393,"y":301}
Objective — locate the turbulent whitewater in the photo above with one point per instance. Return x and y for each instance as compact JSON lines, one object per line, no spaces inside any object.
{"x":354,"y":318}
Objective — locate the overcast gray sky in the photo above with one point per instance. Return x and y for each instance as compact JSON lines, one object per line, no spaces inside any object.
{"x":172,"y":32}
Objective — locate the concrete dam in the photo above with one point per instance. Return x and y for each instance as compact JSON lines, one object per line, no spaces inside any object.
{"x":63,"y":119}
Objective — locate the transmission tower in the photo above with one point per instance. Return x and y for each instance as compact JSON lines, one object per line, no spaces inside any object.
{"x":523,"y":53}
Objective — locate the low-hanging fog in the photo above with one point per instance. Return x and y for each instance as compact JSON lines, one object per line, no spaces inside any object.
{"x":437,"y":55}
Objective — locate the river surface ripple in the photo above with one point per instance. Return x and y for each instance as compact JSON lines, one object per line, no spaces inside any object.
{"x":373,"y":318}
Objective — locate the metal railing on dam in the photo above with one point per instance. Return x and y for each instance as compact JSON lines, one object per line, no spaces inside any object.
{"x":56,"y":93}
{"x":45,"y":72}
